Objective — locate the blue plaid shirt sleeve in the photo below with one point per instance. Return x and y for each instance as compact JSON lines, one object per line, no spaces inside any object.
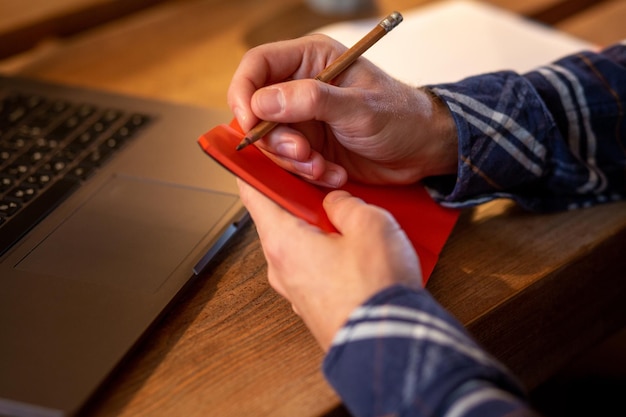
{"x":402,"y":354}
{"x":552,"y":139}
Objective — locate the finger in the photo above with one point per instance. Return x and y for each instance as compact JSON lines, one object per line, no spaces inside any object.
{"x":285,"y":142}
{"x":270,"y":63}
{"x":350,"y":214}
{"x":264,"y":212}
{"x":256,"y":69}
{"x":290,"y":150}
{"x":314,"y":168}
{"x":304,"y":100}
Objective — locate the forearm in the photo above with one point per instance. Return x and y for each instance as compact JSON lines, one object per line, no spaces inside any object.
{"x":403,"y":354}
{"x":552,"y":139}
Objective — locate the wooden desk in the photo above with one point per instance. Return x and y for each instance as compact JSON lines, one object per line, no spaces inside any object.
{"x":24,"y":24}
{"x":536,"y":290}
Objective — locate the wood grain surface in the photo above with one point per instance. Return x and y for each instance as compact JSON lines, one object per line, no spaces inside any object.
{"x":536,"y":290}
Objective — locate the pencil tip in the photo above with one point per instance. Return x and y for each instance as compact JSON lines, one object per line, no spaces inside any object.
{"x":245,"y":142}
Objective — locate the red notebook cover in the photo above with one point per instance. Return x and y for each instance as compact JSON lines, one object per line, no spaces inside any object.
{"x":426,"y":223}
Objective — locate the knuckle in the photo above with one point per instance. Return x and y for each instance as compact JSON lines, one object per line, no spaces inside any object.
{"x":312,"y":93}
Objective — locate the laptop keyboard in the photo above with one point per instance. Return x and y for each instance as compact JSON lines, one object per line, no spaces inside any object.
{"x":48,"y":147}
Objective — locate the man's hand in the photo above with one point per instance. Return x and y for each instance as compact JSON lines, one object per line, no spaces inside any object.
{"x":326,"y":276}
{"x":365,"y":125}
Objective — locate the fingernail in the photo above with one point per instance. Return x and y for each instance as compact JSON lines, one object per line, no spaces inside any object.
{"x":270,"y":100}
{"x":335,"y":196}
{"x":305,"y":168}
{"x":287,"y":149}
{"x":333,"y":179}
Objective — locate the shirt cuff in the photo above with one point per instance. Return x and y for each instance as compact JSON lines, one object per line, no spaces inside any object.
{"x":503,"y":126}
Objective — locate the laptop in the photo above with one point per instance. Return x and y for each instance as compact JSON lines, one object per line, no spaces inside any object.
{"x":108,"y":208}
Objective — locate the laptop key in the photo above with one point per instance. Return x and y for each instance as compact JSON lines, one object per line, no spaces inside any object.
{"x":6,"y":182}
{"x":40,"y":178}
{"x":8,"y":208}
{"x":81,"y":172}
{"x":5,"y":155}
{"x":24,"y":193}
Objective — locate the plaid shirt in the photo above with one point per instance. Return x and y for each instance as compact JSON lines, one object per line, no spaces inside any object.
{"x":552,"y":139}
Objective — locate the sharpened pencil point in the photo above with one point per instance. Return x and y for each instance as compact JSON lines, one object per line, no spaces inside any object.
{"x":245,"y":142}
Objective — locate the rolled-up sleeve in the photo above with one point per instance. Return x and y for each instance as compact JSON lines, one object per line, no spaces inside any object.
{"x":552,"y":139}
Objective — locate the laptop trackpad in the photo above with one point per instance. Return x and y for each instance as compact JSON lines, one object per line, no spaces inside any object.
{"x":131,"y":234}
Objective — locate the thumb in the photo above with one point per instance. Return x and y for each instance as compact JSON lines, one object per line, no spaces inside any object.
{"x":352,"y":215}
{"x":302,"y":100}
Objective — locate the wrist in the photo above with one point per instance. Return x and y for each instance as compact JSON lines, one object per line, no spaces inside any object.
{"x":441,"y":128}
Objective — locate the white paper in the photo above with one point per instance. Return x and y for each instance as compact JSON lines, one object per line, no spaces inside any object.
{"x":450,"y":40}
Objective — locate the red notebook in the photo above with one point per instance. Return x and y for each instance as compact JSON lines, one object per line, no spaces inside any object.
{"x":426,"y":223}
